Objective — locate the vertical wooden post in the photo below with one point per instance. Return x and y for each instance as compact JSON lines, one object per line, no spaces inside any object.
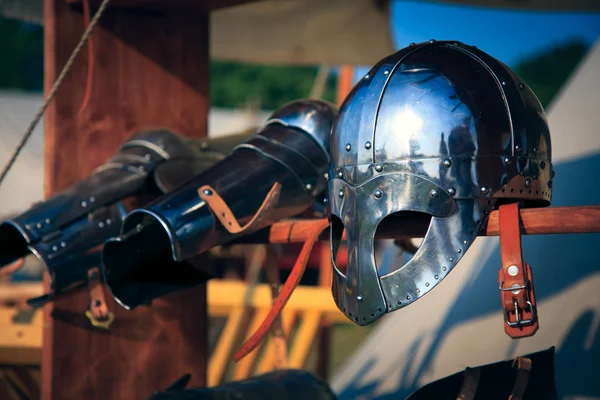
{"x":150,"y":69}
{"x":345,"y":82}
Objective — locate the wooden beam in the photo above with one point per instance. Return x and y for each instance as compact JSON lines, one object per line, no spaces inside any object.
{"x":198,"y":5}
{"x":534,"y":221}
{"x":150,"y":69}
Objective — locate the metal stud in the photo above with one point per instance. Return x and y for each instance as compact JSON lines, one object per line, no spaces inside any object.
{"x":426,"y":284}
{"x":407,"y":297}
{"x":147,"y":157}
{"x":386,"y":72}
{"x":378,"y":167}
{"x":436,"y":277}
{"x":517,"y":147}
{"x":447,"y":163}
{"x":100,"y":224}
{"x":485,"y":190}
{"x":325,"y":201}
{"x":359,"y":298}
{"x":54,"y":248}
{"x":412,"y":44}
{"x":367,"y":76}
{"x":207,"y":192}
{"x":459,"y":251}
{"x":39,"y":225}
{"x":503,"y":83}
{"x":434,"y":193}
{"x":528,"y":182}
{"x":84,"y":203}
{"x":378,"y":193}
{"x":418,"y":291}
{"x":368,"y":145}
{"x":341,"y":194}
{"x":451,"y":259}
{"x":48,"y":220}
{"x":444,"y":268}
{"x":348,"y":147}
{"x":340,"y":174}
{"x":507,"y":160}
{"x":308,"y":186}
{"x":513,"y":270}
{"x":535,"y":150}
{"x":521,"y":86}
{"x":108,"y":221}
{"x":326,"y":176}
{"x":452,"y":192}
{"x":543,"y":164}
{"x":432,"y":41}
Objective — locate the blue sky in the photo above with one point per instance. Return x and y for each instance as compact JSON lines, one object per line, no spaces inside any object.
{"x":508,"y":35}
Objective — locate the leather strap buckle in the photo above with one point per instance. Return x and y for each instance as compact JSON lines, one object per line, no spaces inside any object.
{"x":516,"y":278}
{"x":98,"y":312}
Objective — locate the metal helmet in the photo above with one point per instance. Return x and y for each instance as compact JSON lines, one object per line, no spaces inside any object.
{"x":438,"y":128}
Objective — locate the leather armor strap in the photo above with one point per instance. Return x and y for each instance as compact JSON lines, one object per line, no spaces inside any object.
{"x":278,"y":335}
{"x":225,"y":215}
{"x":523,"y":371}
{"x":286,"y":291}
{"x":468,"y":388}
{"x":98,"y":312}
{"x":515,"y":277}
{"x":12,"y":268}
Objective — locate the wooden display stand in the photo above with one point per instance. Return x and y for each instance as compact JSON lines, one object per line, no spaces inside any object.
{"x":150,"y":68}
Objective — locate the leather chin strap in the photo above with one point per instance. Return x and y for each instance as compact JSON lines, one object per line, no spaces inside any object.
{"x":278,"y":335}
{"x":285,"y":292}
{"x":516,"y":278}
{"x":98,"y":312}
{"x":225,"y":215}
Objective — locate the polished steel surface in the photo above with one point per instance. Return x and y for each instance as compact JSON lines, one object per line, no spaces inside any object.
{"x":439,"y":128}
{"x":180,"y":226}
{"x":67,"y":231}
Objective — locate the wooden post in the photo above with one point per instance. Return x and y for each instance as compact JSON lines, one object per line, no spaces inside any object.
{"x":150,"y":69}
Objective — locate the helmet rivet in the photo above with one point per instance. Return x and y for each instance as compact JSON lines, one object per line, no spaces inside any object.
{"x":535,"y":150}
{"x":451,"y":259}
{"x":412,"y":44}
{"x":543,"y":164}
{"x":367,"y":76}
{"x":436,"y":277}
{"x":513,"y":270}
{"x":325,"y":201}
{"x":521,"y":86}
{"x":503,"y":83}
{"x":452,"y":192}
{"x":341,"y":194}
{"x":447,"y":163}
{"x":359,"y":298}
{"x":207,"y":192}
{"x":378,"y":168}
{"x":434,"y":193}
{"x":378,"y":193}
{"x":340,"y":174}
{"x":517,"y":148}
{"x":308,"y":186}
{"x":326,"y":176}
{"x":348,"y":147}
{"x":426,"y":284}
{"x":507,"y":160}
{"x":432,"y":41}
{"x":386,"y":72}
{"x":550,"y":184}
{"x":484,"y":190}
{"x":528,"y":182}
{"x":368,"y":145}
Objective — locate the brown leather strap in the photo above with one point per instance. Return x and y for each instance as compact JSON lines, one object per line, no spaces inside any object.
{"x":468,"y":388}
{"x":225,"y":215}
{"x":286,"y":291}
{"x":278,"y":337}
{"x":12,"y":268}
{"x":523,"y":371}
{"x":98,"y":312}
{"x":515,"y":278}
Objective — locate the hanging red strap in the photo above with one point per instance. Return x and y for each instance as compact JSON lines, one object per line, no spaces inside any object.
{"x":516,"y":278}
{"x":286,"y":291}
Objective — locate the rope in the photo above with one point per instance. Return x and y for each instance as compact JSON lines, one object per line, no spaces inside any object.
{"x":54,"y":89}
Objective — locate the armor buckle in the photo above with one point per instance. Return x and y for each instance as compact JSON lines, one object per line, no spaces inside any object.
{"x":518,"y":322}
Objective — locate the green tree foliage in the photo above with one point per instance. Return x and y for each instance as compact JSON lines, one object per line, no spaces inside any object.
{"x":547,"y":71}
{"x":234,"y":84}
{"x":21,"y":56}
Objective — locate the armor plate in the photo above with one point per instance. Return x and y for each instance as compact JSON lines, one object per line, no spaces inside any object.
{"x":157,"y":250}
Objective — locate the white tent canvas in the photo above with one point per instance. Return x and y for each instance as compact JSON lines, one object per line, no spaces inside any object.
{"x":460,"y":323}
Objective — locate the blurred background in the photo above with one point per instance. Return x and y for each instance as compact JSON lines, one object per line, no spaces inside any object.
{"x":555,"y":51}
